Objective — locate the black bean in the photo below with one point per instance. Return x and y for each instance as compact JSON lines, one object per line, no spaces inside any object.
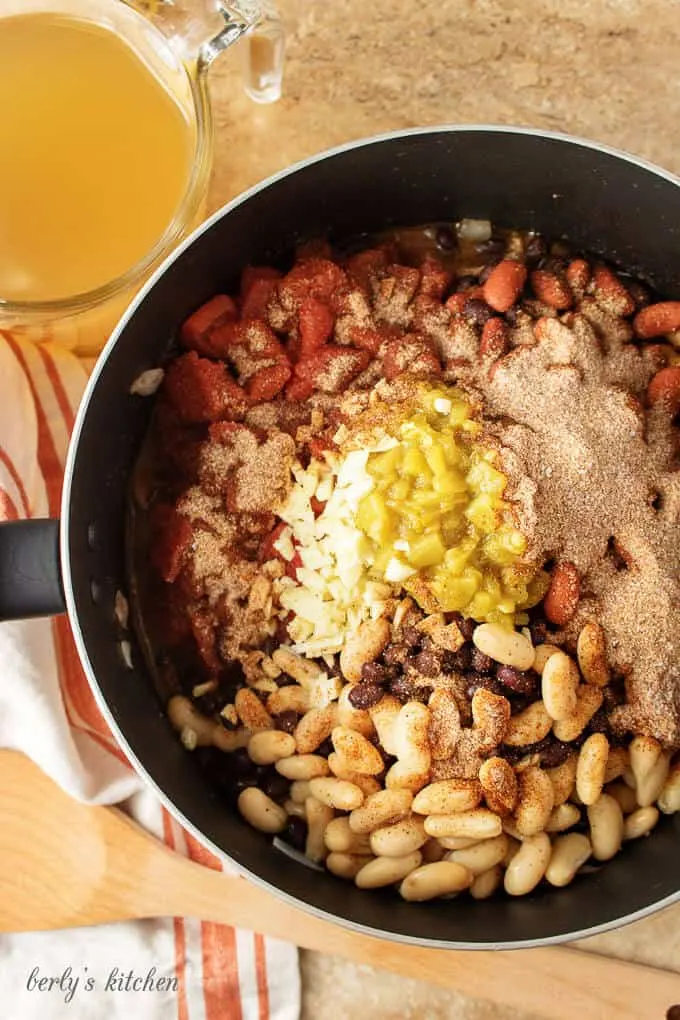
{"x":481,"y":663}
{"x":466,"y":626}
{"x":428,"y":663}
{"x":518,"y":681}
{"x":493,"y":246}
{"x":445,"y":239}
{"x":244,"y":783}
{"x":538,"y":631}
{"x":477,"y":311}
{"x":599,"y":722}
{"x":485,"y":273}
{"x":326,"y":748}
{"x":366,"y":695}
{"x":406,"y":690}
{"x":295,"y":833}
{"x":286,"y":721}
{"x":639,"y":293}
{"x":511,"y":315}
{"x":555,"y":753}
{"x":412,"y":636}
{"x":373,"y":672}
{"x":228,"y":724}
{"x":240,"y":762}
{"x":513,"y":755}
{"x":457,"y":662}
{"x":395,"y":655}
{"x":518,"y":703}
{"x":535,"y":249}
{"x":612,"y":695}
{"x":275,"y":786}
{"x":477,"y":682}
{"x":283,"y":680}
{"x":464,"y":283}
{"x":517,"y":753}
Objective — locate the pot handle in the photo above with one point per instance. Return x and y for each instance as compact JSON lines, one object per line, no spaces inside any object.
{"x":30,"y":574}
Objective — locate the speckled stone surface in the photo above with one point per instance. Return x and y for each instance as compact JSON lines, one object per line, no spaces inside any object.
{"x":607,"y":70}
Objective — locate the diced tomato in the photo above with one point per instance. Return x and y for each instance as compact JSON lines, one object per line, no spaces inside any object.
{"x":202,"y":390}
{"x":412,"y":354}
{"x":250,"y":346}
{"x":434,"y":279}
{"x":224,"y":431}
{"x":371,"y":339}
{"x":267,"y":382}
{"x":318,"y":445}
{"x":171,"y":537}
{"x":292,"y":565}
{"x":456,"y":303}
{"x":318,"y":278}
{"x":267,"y":550}
{"x":317,"y":506}
{"x":366,"y":266}
{"x":203,"y":626}
{"x":258,"y":283}
{"x":328,"y":370}
{"x":196,"y":333}
{"x":316,"y":322}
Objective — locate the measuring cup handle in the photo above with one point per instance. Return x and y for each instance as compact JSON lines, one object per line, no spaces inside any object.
{"x":263,"y":46}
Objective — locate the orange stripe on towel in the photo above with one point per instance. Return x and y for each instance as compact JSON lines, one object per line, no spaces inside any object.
{"x":221,"y":988}
{"x":16,"y":478}
{"x":180,"y":937}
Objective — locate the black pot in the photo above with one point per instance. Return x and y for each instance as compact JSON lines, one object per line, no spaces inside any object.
{"x":603,"y":201}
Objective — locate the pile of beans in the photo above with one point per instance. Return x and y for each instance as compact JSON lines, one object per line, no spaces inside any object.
{"x":350,"y":783}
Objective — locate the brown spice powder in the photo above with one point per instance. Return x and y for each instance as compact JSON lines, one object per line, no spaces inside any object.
{"x":591,"y":469}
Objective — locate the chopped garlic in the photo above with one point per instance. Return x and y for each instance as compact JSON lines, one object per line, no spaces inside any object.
{"x":397,"y":571}
{"x":443,"y":405}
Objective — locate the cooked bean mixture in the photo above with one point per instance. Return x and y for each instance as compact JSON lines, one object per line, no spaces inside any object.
{"x":405,"y":558}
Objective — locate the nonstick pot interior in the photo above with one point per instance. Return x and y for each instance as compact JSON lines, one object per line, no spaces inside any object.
{"x":600,"y":201}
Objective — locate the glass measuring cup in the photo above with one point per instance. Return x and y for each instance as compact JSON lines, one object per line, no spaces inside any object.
{"x":176,"y":41}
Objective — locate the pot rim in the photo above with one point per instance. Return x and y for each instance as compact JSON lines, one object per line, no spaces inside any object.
{"x":72,"y":608}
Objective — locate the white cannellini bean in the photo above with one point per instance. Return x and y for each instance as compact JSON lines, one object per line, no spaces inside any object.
{"x":528,"y":866}
{"x":606,"y":827}
{"x":338,"y":766}
{"x":314,"y":727}
{"x":300,"y":791}
{"x":266,"y":746}
{"x":591,"y":651}
{"x":486,"y":884}
{"x":669,"y":798}
{"x":261,"y":811}
{"x":318,"y":818}
{"x":644,"y":754}
{"x":624,"y":796}
{"x":569,"y":853}
{"x":431,"y":880}
{"x":640,"y":823}
{"x":447,"y":796}
{"x":399,"y":839}
{"x":562,"y":818}
{"x":336,"y":793}
{"x":358,"y":752}
{"x":541,"y":656}
{"x":499,"y":783}
{"x":339,"y":838}
{"x":536,"y":801}
{"x":379,"y":809}
{"x":387,"y":870}
{"x":478,"y":823}
{"x":302,"y":766}
{"x":346,"y":865}
{"x":559,"y":683}
{"x":384,"y":717}
{"x":563,"y":779}
{"x":364,"y":645}
{"x":482,"y":856}
{"x":588,"y":700}
{"x":649,"y":789}
{"x":528,"y":726}
{"x":355,"y":718}
{"x":506,"y":646}
{"x":251,"y":711}
{"x":591,"y":767}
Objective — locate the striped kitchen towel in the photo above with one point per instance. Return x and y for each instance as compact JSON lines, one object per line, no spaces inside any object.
{"x":152,"y":970}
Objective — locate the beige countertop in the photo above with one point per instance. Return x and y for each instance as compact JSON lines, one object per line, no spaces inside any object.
{"x":607,"y":70}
